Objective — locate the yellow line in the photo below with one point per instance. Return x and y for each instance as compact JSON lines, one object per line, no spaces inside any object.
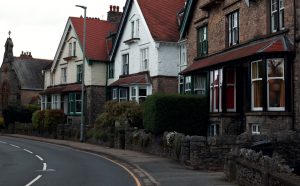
{"x":137,"y":182}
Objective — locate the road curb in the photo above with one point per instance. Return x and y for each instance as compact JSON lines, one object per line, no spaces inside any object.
{"x":144,"y":177}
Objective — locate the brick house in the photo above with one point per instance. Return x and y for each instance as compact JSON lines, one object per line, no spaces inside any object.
{"x":21,"y":80}
{"x":240,"y":54}
{"x":62,"y":88}
{"x":145,"y":56}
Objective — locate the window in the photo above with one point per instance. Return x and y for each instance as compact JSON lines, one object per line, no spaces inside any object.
{"x":137,"y":33}
{"x":51,"y":78}
{"x":202,"y":44}
{"x":182,"y":57}
{"x":115,"y":94}
{"x":277,"y":15}
{"x":144,"y":59}
{"x":43,"y":102}
{"x":257,"y":85}
{"x":123,"y":94}
{"x":233,"y":28}
{"x":255,"y":129}
{"x":75,"y":103}
{"x":216,"y":79}
{"x":74,"y":48}
{"x":64,"y":75}
{"x":200,"y":85}
{"x":111,"y":69}
{"x":125,"y":59}
{"x":132,"y":29}
{"x":55,"y":101}
{"x":276,"y":85}
{"x":79,"y":73}
{"x":70,"y":49}
{"x":48,"y":102}
{"x":133,"y":94}
{"x":214,"y":129}
{"x":181,"y":84}
{"x":230,"y":90}
{"x":142,"y":94}
{"x":188,"y":85}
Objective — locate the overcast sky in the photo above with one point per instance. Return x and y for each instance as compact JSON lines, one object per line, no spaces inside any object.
{"x":37,"y":25}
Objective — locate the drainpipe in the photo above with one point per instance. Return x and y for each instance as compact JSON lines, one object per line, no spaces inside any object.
{"x":293,"y":69}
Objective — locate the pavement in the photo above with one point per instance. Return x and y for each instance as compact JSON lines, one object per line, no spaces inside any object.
{"x":149,"y":169}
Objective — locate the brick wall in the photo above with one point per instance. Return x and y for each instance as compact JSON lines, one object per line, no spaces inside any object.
{"x":297,"y":66}
{"x":254,"y":23}
{"x":164,"y":84}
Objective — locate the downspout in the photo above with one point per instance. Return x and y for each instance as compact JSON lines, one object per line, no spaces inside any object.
{"x":106,"y":82}
{"x":293,"y":69}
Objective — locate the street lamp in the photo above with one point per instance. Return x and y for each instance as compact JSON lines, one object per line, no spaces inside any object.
{"x":82,"y":79}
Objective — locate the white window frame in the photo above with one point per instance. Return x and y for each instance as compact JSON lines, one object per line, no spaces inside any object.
{"x":277,"y":9}
{"x":70,"y":49}
{"x":55,"y":99}
{"x":213,"y":129}
{"x":76,"y":101}
{"x":123,"y":98}
{"x":182,"y":57}
{"x":200,"y":85}
{"x":134,"y":93}
{"x":125,"y":64}
{"x":188,"y":84}
{"x":115,"y":94}
{"x":43,"y":102}
{"x":255,"y":129}
{"x":274,"y":78}
{"x":252,"y":89}
{"x":137,"y":32}
{"x":145,"y":59}
{"x":212,"y":88}
{"x":233,"y":28}
{"x":132,"y":29}
{"x":63,"y":75}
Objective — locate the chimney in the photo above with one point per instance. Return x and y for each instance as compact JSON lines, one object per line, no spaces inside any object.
{"x":26,"y":54}
{"x":114,"y":15}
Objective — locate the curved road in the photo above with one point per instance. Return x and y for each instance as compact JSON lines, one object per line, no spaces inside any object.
{"x":25,"y":162}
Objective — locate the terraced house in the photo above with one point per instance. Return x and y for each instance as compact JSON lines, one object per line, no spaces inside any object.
{"x":63,"y":79}
{"x":145,"y":56}
{"x":241,"y":54}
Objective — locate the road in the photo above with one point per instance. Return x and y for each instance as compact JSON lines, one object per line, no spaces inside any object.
{"x":25,"y":162}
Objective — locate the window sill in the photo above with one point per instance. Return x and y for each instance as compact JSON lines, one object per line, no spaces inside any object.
{"x":132,"y":40}
{"x":69,"y":58}
{"x":268,"y":113}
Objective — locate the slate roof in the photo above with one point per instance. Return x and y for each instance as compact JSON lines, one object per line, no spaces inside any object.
{"x":138,"y":78}
{"x":161,"y":18}
{"x":270,"y":45}
{"x":29,"y":71}
{"x":96,"y":32}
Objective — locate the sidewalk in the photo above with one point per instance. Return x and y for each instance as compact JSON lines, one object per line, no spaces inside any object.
{"x":150,"y":169}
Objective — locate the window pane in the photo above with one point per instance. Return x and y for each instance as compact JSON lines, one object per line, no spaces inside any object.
{"x":78,"y":106}
{"x":142,"y":92}
{"x":276,"y":93}
{"x":257,"y":93}
{"x":275,"y":67}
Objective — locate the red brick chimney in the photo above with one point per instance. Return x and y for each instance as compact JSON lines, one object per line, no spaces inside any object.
{"x":114,"y":15}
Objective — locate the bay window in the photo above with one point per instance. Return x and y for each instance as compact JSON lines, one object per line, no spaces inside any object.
{"x":231,"y":90}
{"x":200,"y":85}
{"x":115,"y":94}
{"x":276,"y":85}
{"x":216,"y":79}
{"x":257,"y":85}
{"x":55,"y":101}
{"x":138,"y":94}
{"x":188,"y":85}
{"x":123,"y":94}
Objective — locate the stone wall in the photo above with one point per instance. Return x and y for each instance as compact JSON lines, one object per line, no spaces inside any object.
{"x":164,"y":84}
{"x":250,"y":168}
{"x":95,"y":102}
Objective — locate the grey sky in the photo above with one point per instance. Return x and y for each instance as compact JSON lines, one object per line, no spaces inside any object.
{"x":37,"y":25}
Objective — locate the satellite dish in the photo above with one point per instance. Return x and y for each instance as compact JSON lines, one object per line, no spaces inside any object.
{"x":247,"y":3}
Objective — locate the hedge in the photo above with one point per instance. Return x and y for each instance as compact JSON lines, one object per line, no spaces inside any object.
{"x":182,"y":113}
{"x":17,"y":113}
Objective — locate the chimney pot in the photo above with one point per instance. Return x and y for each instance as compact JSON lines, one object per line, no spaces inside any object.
{"x":117,"y":8}
{"x":114,"y":8}
{"x":110,"y":7}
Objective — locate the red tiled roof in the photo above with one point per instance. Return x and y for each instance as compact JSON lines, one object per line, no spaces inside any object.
{"x":277,"y":44}
{"x":161,"y":18}
{"x":62,"y":88}
{"x":96,"y":32}
{"x":139,"y":78}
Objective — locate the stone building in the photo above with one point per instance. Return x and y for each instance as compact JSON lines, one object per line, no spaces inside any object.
{"x":241,"y":55}
{"x":21,"y":79}
{"x":63,"y":80}
{"x":145,"y":56}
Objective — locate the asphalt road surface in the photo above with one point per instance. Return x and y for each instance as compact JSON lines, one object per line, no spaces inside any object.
{"x":25,"y":162}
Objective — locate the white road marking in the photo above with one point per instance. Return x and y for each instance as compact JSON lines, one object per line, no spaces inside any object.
{"x":3,"y":142}
{"x":39,"y":157}
{"x":148,"y":175}
{"x":34,"y":180}
{"x":28,"y":151}
{"x":44,"y":166}
{"x":14,"y":146}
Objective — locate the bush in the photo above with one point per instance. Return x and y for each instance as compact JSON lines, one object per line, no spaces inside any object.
{"x":17,"y":113}
{"x":182,"y":113}
{"x":38,"y":119}
{"x":53,"y":118}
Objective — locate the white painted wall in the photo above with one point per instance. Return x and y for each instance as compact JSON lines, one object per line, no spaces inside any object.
{"x":163,"y":58}
{"x":46,"y":78}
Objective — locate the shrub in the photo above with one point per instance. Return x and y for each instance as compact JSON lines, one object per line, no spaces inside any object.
{"x":182,"y":113}
{"x":17,"y":113}
{"x":38,"y":119}
{"x":53,"y":118}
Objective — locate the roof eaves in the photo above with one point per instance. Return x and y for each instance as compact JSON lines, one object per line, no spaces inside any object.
{"x":190,"y":7}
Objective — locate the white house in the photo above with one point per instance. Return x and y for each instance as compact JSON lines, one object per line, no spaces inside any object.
{"x":62,"y":89}
{"x":145,"y":56}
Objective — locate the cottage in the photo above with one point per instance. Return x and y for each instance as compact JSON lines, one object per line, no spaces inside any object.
{"x":62,"y":88}
{"x":145,"y":55}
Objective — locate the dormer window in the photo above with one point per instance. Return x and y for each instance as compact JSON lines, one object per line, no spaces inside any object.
{"x":145,"y":59}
